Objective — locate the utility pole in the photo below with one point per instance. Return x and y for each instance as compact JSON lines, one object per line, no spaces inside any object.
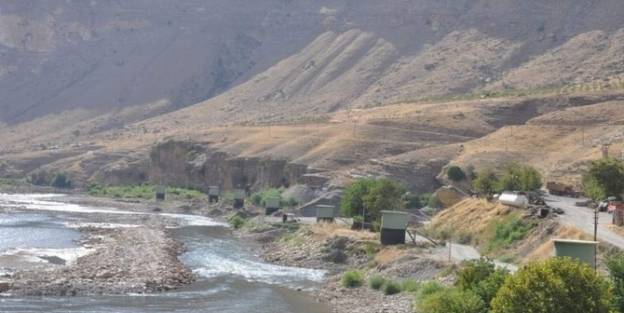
{"x":596,"y":215}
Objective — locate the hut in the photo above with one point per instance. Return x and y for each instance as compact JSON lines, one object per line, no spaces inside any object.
{"x":160,"y":193}
{"x":325,"y":213}
{"x":393,"y":227}
{"x":272,"y":205}
{"x":239,"y":198}
{"x":583,"y":251}
{"x":213,"y":194}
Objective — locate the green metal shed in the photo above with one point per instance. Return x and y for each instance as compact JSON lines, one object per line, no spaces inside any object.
{"x":271,"y":205}
{"x":325,"y":213}
{"x":213,"y":194}
{"x":583,"y":251}
{"x":239,"y":198}
{"x":393,"y":227}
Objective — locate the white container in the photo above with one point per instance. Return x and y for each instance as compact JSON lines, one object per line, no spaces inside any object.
{"x":514,"y":199}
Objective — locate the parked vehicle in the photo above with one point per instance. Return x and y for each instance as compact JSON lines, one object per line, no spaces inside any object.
{"x":559,"y":189}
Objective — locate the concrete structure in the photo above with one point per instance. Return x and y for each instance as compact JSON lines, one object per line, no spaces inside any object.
{"x":514,"y":199}
{"x":271,"y":205}
{"x":213,"y":194}
{"x":583,"y":251}
{"x":325,"y":213}
{"x":239,"y":198}
{"x":160,"y":193}
{"x":393,"y":227}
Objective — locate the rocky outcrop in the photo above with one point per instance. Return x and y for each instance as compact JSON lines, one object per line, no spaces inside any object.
{"x":182,"y":163}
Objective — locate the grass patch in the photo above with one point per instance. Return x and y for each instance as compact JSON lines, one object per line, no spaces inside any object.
{"x":392,"y":288}
{"x":352,"y":279}
{"x":376,"y":282}
{"x":236,"y":221}
{"x":511,"y":229}
{"x":410,"y":285}
{"x":144,"y":191}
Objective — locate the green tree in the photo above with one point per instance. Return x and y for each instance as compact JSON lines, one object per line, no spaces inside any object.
{"x":352,"y":202}
{"x":559,"y":285}
{"x":384,"y":194}
{"x":482,"y":278}
{"x":518,"y":177}
{"x":605,"y":178}
{"x":486,"y":182}
{"x":451,"y":301}
{"x":615,"y":264}
{"x":455,"y":173}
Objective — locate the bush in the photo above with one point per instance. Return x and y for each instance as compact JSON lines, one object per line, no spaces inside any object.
{"x":452,"y":301}
{"x":510,"y":230}
{"x":482,"y":278}
{"x":615,"y":264}
{"x":352,"y":279}
{"x":559,"y":285}
{"x":392,"y":288}
{"x":517,"y":177}
{"x":455,"y":173}
{"x":429,"y":288}
{"x":485,"y":183}
{"x":605,"y":178}
{"x":236,"y":221}
{"x":61,"y":180}
{"x":260,"y":197}
{"x":410,"y":285}
{"x":376,"y":282}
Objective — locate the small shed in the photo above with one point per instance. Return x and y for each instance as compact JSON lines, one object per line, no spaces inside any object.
{"x":160,"y":193}
{"x":272,"y":205}
{"x":213,"y":194}
{"x":583,"y":251}
{"x":325,"y":213}
{"x":239,"y":198}
{"x":393,"y":227}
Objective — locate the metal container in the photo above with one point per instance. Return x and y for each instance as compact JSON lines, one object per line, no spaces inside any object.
{"x":213,"y":194}
{"x":393,"y":227}
{"x":325,"y":213}
{"x":514,"y":199}
{"x":160,"y":193}
{"x":239,"y":198}
{"x":271,"y":205}
{"x":583,"y":251}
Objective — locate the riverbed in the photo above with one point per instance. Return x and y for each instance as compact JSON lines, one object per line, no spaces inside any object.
{"x":42,"y":231}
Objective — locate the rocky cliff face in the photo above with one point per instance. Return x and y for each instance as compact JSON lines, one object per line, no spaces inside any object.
{"x":179,"y":163}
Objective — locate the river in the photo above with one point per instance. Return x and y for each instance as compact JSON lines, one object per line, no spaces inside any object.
{"x":37,"y":229}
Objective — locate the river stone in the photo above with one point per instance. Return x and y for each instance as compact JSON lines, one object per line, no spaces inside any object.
{"x":4,"y":286}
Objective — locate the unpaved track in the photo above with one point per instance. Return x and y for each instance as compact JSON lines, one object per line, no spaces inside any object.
{"x":583,"y":218}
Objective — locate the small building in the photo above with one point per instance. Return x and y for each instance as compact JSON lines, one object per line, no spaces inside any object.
{"x":393,"y":227}
{"x":239,"y":198}
{"x":325,"y":213}
{"x":160,"y":193}
{"x":213,"y":194}
{"x":272,"y":205}
{"x":583,"y":251}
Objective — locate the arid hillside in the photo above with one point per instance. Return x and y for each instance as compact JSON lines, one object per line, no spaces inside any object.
{"x":337,"y":89}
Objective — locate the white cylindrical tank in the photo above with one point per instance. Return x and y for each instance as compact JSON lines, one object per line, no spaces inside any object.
{"x":514,"y":199}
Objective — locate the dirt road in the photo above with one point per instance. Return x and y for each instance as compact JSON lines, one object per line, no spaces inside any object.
{"x":583,"y":218}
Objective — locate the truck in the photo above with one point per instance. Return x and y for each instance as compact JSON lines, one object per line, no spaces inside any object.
{"x":559,"y":189}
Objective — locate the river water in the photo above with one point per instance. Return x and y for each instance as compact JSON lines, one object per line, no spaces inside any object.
{"x":36,"y":229}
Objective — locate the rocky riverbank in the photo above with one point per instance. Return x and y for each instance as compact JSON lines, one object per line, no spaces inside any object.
{"x":129,"y":260}
{"x":337,"y":249}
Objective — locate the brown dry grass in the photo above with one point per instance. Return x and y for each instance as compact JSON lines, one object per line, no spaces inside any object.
{"x":470,"y":216}
{"x":389,"y":254}
{"x":331,"y":230}
{"x":545,"y":250}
